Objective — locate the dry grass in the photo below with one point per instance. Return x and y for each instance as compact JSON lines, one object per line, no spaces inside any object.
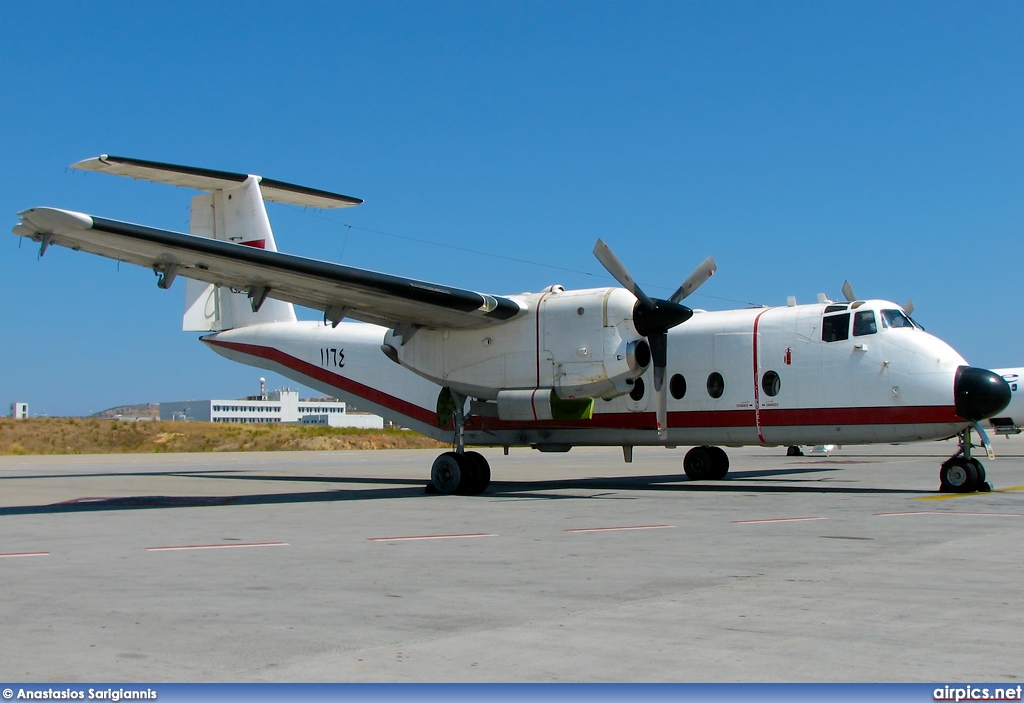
{"x":93,"y":436}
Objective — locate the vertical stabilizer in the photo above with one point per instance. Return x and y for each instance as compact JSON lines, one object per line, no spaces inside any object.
{"x":236,"y":214}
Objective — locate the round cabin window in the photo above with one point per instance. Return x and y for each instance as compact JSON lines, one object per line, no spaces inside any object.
{"x":716,"y":385}
{"x":638,"y":390}
{"x":677,"y":386}
{"x":770,"y":383}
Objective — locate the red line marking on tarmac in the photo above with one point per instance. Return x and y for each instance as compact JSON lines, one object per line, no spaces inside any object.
{"x":411,"y":538}
{"x":776,"y":519}
{"x":943,"y":512}
{"x":215,"y":546}
{"x":613,"y":529}
{"x":25,"y":554}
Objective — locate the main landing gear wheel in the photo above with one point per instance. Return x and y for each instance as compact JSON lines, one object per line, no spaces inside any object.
{"x":706,"y":464}
{"x":467,"y":474}
{"x":476,"y":473}
{"x":794,"y":451}
{"x":446,"y":473}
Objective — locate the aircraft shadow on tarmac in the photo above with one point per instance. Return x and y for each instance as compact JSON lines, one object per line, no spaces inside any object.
{"x":762,"y":481}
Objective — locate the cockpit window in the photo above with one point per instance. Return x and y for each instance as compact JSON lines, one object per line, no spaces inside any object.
{"x":895,"y":318}
{"x":835,"y":328}
{"x":836,"y":308}
{"x":864,"y":323}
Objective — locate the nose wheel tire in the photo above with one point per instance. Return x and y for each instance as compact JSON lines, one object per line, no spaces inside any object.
{"x":959,"y":475}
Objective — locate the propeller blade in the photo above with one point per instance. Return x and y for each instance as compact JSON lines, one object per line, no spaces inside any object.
{"x":659,"y":358}
{"x":908,"y":307}
{"x":618,"y":270}
{"x":848,"y":292}
{"x":696,"y":279}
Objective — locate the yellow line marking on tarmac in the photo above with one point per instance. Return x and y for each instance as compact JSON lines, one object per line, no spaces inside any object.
{"x":947,"y":496}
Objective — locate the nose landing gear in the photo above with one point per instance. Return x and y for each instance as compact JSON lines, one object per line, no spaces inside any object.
{"x":962,"y":473}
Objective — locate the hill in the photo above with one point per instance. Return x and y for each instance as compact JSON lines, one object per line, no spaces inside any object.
{"x":95,"y":436}
{"x":151,"y":410}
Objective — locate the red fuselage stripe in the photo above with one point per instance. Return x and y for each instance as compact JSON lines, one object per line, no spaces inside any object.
{"x":358,"y":389}
{"x":913,"y":415}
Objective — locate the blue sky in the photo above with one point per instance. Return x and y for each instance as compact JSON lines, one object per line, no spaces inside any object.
{"x":800,"y":143}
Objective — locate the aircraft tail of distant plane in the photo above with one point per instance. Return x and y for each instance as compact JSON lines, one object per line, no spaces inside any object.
{"x":231,"y":210}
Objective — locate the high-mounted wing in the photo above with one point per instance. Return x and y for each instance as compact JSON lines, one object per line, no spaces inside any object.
{"x":339,"y":291}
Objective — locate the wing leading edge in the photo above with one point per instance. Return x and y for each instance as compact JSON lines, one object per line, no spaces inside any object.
{"x":339,"y":291}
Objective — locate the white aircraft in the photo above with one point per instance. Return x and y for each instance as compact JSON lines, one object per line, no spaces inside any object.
{"x":549,"y":370}
{"x":1011,"y":417}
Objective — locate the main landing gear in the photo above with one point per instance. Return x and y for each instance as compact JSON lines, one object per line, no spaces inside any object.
{"x":459,"y":471}
{"x":962,"y":473}
{"x":706,"y":464}
{"x":465,"y":473}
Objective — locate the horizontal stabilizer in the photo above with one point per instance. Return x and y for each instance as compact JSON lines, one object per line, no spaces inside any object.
{"x":210,"y":180}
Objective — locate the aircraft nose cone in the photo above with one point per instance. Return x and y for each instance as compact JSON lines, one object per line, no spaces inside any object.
{"x":979,"y":393}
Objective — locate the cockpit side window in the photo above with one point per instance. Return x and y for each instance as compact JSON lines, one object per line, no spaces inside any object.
{"x":864,"y":323}
{"x":835,"y":328}
{"x":895,"y":319}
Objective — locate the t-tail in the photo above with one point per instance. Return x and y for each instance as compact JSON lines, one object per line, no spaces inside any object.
{"x":231,"y":210}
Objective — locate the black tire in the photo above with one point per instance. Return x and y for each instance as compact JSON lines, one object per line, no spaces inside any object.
{"x":446,"y":473}
{"x":958,"y":475}
{"x":719,"y":463}
{"x":794,"y":451}
{"x":697,"y":464}
{"x":980,"y":470}
{"x":481,"y":473}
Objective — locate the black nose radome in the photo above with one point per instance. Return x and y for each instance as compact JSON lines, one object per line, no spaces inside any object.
{"x":979,"y":393}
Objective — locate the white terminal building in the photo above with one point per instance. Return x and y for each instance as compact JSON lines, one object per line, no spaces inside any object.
{"x":273,"y":407}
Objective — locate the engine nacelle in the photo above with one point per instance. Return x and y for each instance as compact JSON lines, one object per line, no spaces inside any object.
{"x":580,"y":344}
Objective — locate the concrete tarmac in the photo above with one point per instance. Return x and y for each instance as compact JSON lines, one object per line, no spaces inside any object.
{"x":284,"y":567}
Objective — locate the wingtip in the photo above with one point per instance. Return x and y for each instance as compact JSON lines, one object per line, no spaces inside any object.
{"x":50,"y":219}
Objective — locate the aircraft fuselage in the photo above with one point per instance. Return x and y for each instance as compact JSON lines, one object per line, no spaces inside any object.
{"x":753,"y":376}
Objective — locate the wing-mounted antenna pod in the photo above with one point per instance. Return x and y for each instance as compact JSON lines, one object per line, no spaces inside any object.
{"x":212,"y":180}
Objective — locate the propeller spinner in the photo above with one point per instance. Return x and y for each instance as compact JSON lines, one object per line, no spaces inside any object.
{"x":654,"y":317}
